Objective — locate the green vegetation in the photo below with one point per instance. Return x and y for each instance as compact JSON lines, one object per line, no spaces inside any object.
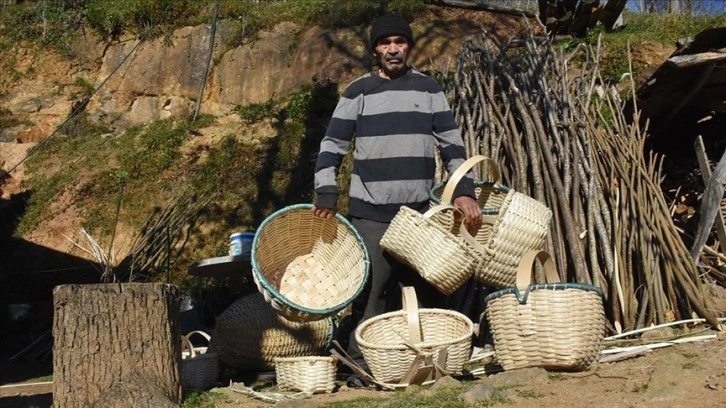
{"x":207,"y":399}
{"x":641,"y":28}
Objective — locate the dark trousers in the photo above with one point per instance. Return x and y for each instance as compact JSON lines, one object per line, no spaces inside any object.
{"x":387,"y":277}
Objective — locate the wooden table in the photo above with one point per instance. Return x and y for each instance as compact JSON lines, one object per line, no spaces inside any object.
{"x":222,"y":267}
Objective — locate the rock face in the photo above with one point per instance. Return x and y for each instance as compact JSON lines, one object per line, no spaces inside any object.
{"x":143,"y":82}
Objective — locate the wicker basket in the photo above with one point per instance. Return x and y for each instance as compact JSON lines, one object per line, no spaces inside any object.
{"x":308,"y":267}
{"x":512,"y":224}
{"x":249,"y":334}
{"x":307,"y":374}
{"x":557,"y":326}
{"x":200,"y":368}
{"x":444,"y":259}
{"x":388,"y":340}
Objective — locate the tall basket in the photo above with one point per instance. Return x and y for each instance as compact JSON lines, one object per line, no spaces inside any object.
{"x":392,"y":341}
{"x":557,"y":326}
{"x":512,"y":223}
{"x":308,"y":267}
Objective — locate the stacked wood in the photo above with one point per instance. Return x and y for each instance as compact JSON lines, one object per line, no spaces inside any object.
{"x":559,"y":134}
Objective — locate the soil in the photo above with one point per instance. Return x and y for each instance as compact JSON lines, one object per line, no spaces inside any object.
{"x":684,"y":375}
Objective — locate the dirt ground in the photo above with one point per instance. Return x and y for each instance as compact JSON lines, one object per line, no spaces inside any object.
{"x":682,"y":375}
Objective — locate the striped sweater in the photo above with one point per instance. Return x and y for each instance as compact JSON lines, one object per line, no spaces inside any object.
{"x":397,"y":124}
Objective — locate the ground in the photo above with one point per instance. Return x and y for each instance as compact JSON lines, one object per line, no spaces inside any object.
{"x":684,"y":375}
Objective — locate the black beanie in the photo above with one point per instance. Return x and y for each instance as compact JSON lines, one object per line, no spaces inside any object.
{"x":390,"y":24}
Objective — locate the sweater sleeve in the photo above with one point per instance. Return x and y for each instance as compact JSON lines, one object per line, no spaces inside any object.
{"x":333,"y":149}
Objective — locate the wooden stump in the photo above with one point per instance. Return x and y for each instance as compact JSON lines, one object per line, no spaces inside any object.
{"x":106,"y":335}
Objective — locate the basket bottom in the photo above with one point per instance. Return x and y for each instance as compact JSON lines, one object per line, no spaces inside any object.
{"x":307,"y":283}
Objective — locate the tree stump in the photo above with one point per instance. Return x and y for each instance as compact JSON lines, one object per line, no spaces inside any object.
{"x":107,"y":335}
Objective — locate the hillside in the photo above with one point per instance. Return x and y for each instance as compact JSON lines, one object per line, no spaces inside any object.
{"x":132,"y":160}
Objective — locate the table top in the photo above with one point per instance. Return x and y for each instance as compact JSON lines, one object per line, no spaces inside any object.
{"x":222,"y":267}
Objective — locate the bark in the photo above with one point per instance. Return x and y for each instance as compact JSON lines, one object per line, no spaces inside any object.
{"x":107,"y":336}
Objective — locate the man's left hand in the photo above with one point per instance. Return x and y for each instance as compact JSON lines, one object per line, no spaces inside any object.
{"x":470,"y":208}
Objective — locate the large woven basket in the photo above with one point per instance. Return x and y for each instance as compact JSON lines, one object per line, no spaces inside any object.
{"x":444,"y":259}
{"x":557,"y":326}
{"x":249,"y":334}
{"x":512,"y":224}
{"x":314,"y":374}
{"x":308,"y":267}
{"x":390,"y":342}
{"x":200,"y":368}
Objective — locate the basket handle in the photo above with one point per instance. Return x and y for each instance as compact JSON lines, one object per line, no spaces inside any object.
{"x":525,"y":270}
{"x":457,"y":175}
{"x":187,"y":343}
{"x":463,"y":232}
{"x":410,"y":306}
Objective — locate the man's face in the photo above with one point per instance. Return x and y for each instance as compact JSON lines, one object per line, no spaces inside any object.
{"x":392,"y":52}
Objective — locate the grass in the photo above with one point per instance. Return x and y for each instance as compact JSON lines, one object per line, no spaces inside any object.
{"x":207,"y":399}
{"x":422,"y":397}
{"x":641,"y":28}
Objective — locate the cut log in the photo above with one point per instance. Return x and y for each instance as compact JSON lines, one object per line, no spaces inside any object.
{"x":105,"y":335}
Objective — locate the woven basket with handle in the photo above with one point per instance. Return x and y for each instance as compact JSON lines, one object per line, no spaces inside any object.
{"x":444,"y":259}
{"x":308,"y":267}
{"x":313,"y":374}
{"x":200,"y":368}
{"x":392,"y":341}
{"x":557,"y":326}
{"x":512,"y":223}
{"x":249,"y":334}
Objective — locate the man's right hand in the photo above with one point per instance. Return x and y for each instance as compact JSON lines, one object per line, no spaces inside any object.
{"x":323,"y":212}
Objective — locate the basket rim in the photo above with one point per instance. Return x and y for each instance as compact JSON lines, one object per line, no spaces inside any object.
{"x":522,"y":299}
{"x":477,"y":183}
{"x":303,"y":358}
{"x":401,"y":346}
{"x":279,"y":296}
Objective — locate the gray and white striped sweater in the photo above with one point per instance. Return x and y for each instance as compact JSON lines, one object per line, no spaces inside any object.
{"x":397,"y":124}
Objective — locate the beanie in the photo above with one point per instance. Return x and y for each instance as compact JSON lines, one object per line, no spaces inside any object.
{"x":390,"y":24}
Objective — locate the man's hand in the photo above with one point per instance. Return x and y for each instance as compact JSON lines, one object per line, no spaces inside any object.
{"x":323,"y":212}
{"x":470,"y":208}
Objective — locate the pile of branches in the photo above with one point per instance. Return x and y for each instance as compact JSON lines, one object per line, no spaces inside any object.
{"x":558,"y":133}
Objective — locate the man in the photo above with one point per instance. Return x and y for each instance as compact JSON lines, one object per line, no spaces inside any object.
{"x":398,"y":116}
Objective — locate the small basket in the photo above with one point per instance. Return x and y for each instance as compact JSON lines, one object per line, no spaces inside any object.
{"x":307,"y":374}
{"x":249,"y":334}
{"x":512,"y":224}
{"x":556,"y":326}
{"x":308,"y":267}
{"x":442,"y":258}
{"x":200,"y":368}
{"x":392,"y":341}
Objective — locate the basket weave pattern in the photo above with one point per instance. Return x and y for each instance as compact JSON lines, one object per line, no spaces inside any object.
{"x":440,"y":257}
{"x":382,"y":340}
{"x":306,"y":374}
{"x":249,"y":334}
{"x":512,"y":224}
{"x":200,"y":367}
{"x":557,"y":326}
{"x":307,"y":267}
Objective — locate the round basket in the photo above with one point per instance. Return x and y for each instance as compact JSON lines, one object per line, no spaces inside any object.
{"x":307,"y":374}
{"x":512,"y":224}
{"x":200,"y":368}
{"x":308,"y":267}
{"x":385,"y":340}
{"x":249,"y":334}
{"x":556,"y":326}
